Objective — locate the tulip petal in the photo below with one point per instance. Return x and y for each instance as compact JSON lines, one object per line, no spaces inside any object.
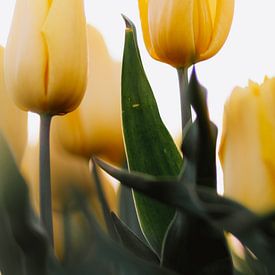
{"x":143,"y":12}
{"x":223,"y":21}
{"x":212,"y":5}
{"x":65,"y":37}
{"x":25,"y":57}
{"x":203,"y":24}
{"x":171,"y":31}
{"x":267,"y":125}
{"x":13,"y":121}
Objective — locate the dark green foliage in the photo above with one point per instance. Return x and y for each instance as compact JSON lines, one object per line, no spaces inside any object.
{"x":182,"y":216}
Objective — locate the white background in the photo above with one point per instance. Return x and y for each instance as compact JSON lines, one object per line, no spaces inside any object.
{"x":249,"y":52}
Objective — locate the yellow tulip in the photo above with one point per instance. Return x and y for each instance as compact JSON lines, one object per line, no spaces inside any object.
{"x":248,"y":146}
{"x":46,"y":55}
{"x":183,"y":32}
{"x":95,"y":126}
{"x":67,"y":171}
{"x":13,"y":122}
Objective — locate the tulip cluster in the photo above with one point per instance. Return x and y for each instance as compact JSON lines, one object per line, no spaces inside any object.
{"x":59,"y":67}
{"x":44,"y":76}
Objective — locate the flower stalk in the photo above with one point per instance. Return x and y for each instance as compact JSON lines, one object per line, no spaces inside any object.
{"x":186,"y":116}
{"x":45,"y":175}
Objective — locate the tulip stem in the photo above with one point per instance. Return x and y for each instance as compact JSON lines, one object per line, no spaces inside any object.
{"x":186,"y":117}
{"x":45,"y":175}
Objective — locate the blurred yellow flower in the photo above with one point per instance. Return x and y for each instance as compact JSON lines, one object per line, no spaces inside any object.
{"x":95,"y":126}
{"x":67,"y":171}
{"x":13,"y":122}
{"x":183,"y":32}
{"x":46,"y":55}
{"x":248,"y":146}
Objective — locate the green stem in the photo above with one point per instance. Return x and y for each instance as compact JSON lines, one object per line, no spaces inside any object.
{"x":186,"y":117}
{"x":45,"y":175}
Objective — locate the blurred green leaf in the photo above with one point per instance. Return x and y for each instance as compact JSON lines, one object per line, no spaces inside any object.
{"x":193,"y":246}
{"x":104,"y":204}
{"x":149,"y":146}
{"x":255,"y":232}
{"x":106,"y":253}
{"x":10,"y":254}
{"x":132,"y":242}
{"x":25,"y":227}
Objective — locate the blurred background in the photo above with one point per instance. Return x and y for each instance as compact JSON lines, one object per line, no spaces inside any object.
{"x":249,"y":53}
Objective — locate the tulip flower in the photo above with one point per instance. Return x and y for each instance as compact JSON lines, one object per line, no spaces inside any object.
{"x":95,"y":126}
{"x":46,"y":55}
{"x":183,"y":32}
{"x":46,"y":70}
{"x":248,"y":146}
{"x":13,"y":121}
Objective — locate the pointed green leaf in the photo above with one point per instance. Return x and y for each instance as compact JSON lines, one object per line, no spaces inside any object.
{"x":199,"y":145}
{"x":149,"y":146}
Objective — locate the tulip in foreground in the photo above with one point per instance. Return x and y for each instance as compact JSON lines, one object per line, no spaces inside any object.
{"x":183,"y":32}
{"x":46,"y":55}
{"x":248,"y":146}
{"x":46,"y":71}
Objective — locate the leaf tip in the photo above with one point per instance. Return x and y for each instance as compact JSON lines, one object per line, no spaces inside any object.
{"x":129,"y":24}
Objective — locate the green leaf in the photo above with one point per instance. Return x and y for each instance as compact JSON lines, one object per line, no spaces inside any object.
{"x":199,"y":145}
{"x":127,"y":211}
{"x":24,"y":225}
{"x":194,"y":246}
{"x":255,"y":232}
{"x":149,"y":146}
{"x":104,"y":204}
{"x":132,"y":242}
{"x":10,"y":254}
{"x":106,"y":253}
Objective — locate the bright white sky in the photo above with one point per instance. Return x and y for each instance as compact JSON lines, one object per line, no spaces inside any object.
{"x":249,"y":52}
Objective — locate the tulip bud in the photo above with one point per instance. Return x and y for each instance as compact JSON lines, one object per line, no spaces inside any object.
{"x":183,"y":32}
{"x":46,"y":55}
{"x":13,"y":122}
{"x":248,"y":146}
{"x":95,"y":126}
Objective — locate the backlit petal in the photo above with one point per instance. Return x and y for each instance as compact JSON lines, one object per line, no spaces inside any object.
{"x":65,"y":36}
{"x":171,"y":30}
{"x":143,"y":13}
{"x":25,"y":57}
{"x":223,"y":21}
